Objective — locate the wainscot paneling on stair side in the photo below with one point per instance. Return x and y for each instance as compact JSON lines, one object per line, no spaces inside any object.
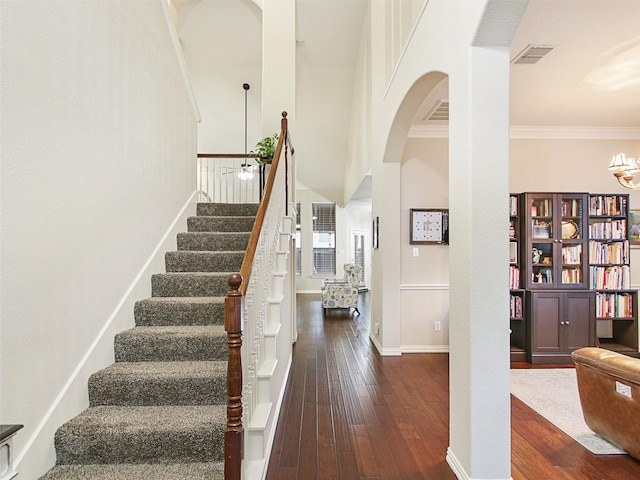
{"x":159,"y":412}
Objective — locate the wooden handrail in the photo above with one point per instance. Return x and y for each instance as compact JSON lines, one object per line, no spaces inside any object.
{"x":247,"y":263}
{"x":233,"y":321}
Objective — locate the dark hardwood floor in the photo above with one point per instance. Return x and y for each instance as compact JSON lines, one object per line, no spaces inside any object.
{"x":349,"y":413}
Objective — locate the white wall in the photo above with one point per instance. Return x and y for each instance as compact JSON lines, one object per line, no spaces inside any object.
{"x":222,"y":43}
{"x":536,"y":165}
{"x":98,"y":149}
{"x":425,"y":278}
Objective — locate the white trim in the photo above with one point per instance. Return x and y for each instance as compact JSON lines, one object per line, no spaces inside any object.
{"x":424,"y":348}
{"x":433,"y":286}
{"x":385,"y":352}
{"x":159,"y":250}
{"x":542,"y":132}
{"x":258,"y":468}
{"x":458,"y":469}
{"x":175,"y":40}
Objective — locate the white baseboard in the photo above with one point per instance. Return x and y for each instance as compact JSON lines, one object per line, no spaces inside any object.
{"x":459,"y":470}
{"x":385,"y":352}
{"x":424,"y":348}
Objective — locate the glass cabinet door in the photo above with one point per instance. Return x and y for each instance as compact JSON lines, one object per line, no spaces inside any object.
{"x":542,"y":245}
{"x":572,"y":240}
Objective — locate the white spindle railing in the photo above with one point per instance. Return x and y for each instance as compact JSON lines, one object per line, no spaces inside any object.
{"x":228,"y":178}
{"x":259,"y":291}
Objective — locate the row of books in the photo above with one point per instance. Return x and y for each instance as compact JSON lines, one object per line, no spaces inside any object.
{"x":607,"y":205}
{"x":603,"y":253}
{"x":572,"y":254}
{"x":614,"y":305}
{"x":541,"y":208}
{"x":571,"y":208}
{"x":571,"y":275}
{"x":516,"y":306}
{"x":614,"y":229}
{"x":514,"y":277}
{"x":616,"y":277}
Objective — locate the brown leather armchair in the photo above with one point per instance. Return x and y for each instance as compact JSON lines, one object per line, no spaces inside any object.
{"x":609,"y":387}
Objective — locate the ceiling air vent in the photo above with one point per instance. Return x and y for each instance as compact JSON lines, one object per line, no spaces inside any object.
{"x":531,"y":54}
{"x":440,"y":111}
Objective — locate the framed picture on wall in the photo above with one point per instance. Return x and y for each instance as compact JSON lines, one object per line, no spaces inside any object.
{"x":429,"y":226}
{"x":634,"y":228}
{"x":375,"y":232}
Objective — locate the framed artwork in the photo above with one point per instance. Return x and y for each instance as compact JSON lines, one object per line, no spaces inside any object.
{"x":429,"y":226}
{"x":634,"y":228}
{"x":376,"y":232}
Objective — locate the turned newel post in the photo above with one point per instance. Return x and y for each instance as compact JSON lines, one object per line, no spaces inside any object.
{"x":234,"y":431}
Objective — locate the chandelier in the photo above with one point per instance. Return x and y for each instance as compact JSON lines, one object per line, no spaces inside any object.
{"x":624,"y":169}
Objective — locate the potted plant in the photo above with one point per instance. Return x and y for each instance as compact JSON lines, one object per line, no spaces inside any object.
{"x":265,"y":149}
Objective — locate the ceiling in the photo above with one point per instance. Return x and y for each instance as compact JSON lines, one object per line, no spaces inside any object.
{"x":575,"y":85}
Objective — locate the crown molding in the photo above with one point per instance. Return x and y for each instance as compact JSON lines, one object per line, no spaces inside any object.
{"x":523,"y":132}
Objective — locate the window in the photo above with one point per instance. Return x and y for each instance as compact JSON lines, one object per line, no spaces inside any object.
{"x":324,"y":238}
{"x":298,"y":241}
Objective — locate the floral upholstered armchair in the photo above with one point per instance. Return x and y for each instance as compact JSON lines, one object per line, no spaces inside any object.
{"x":342,"y":293}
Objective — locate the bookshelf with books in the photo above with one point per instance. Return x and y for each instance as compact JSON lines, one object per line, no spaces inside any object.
{"x":609,"y":273}
{"x":516,"y":293}
{"x":556,"y":241}
{"x":560,"y":313}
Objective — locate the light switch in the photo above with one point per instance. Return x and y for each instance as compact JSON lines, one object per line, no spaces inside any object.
{"x":416,"y":252}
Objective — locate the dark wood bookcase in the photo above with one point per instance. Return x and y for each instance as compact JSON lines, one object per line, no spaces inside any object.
{"x":616,"y":304}
{"x":516,"y":293}
{"x":570,"y":275}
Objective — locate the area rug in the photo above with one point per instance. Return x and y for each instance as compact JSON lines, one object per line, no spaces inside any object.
{"x":553,"y":393}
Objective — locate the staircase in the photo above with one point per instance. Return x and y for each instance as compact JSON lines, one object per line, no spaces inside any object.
{"x":159,"y":412}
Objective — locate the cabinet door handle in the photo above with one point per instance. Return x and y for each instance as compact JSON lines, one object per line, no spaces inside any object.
{"x":561,"y":323}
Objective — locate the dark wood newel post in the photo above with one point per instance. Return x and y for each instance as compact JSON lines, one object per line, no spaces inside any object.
{"x":233,"y":433}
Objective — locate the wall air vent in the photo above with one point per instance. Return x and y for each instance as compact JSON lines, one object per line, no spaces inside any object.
{"x":440,"y":111}
{"x":531,"y":54}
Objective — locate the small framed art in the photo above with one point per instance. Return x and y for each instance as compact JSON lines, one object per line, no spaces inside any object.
{"x":429,"y":226}
{"x":634,"y":228}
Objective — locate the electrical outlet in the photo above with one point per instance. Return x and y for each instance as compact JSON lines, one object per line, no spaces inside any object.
{"x":416,"y":252}
{"x":377,"y":329}
{"x":437,"y":326}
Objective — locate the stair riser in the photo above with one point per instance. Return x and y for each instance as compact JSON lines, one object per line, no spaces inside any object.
{"x":185,"y":285}
{"x":168,"y":348}
{"x":232,"y":209}
{"x":203,"y":261}
{"x":183,"y":391}
{"x":152,"y":314}
{"x":220,"y":224}
{"x":91,"y":446}
{"x":207,"y":241}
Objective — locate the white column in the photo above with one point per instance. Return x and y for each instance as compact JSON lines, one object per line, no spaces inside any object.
{"x":278,"y":63}
{"x":480,"y":441}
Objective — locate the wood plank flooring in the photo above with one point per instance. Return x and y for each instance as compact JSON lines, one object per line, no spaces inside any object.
{"x":350,"y":414}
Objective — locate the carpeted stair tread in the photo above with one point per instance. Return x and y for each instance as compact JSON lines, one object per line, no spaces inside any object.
{"x":174,"y":471}
{"x":223,"y":261}
{"x":220,"y":224}
{"x":159,"y":383}
{"x":227,"y":209}
{"x":171,"y":343}
{"x":163,"y":311}
{"x":190,"y":284}
{"x":213,"y":241}
{"x":140,"y":434}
